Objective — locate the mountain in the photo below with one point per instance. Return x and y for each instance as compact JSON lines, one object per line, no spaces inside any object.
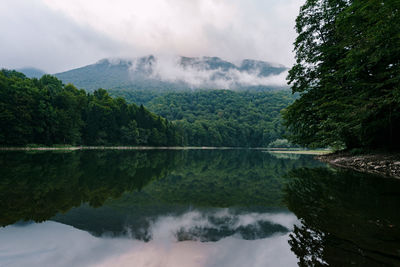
{"x":32,"y":72}
{"x":178,"y":73}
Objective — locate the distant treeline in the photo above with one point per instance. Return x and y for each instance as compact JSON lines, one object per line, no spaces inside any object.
{"x":219,"y":117}
{"x":44,"y":111}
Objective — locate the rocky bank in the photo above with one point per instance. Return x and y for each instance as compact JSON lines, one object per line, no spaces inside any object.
{"x":386,"y":164}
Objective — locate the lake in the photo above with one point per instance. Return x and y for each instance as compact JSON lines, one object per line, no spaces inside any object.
{"x":193,"y":208}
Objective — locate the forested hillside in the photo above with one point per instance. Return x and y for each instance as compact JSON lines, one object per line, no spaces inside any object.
{"x":44,"y":111}
{"x":219,"y":117}
{"x":176,"y":73}
{"x":347,"y":72}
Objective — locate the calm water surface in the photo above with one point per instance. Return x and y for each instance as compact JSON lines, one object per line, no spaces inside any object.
{"x":193,"y":208}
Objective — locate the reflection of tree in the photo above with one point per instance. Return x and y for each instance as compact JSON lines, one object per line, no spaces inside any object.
{"x":37,"y":186}
{"x":347,"y":217}
{"x":223,"y":179}
{"x":307,"y":244}
{"x":204,"y":179}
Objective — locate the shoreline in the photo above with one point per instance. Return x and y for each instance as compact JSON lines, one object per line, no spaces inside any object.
{"x":383,"y":164}
{"x":300,"y":152}
{"x":74,"y":148}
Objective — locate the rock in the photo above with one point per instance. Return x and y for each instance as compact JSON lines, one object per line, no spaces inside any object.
{"x":384,"y":164}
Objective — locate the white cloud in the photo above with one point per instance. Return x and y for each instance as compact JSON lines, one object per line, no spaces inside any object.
{"x":59,"y":34}
{"x":34,"y":35}
{"x":176,"y":26}
{"x":169,"y":68}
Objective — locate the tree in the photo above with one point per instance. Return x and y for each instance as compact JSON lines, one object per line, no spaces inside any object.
{"x":347,"y":73}
{"x":130,"y":133}
{"x":47,"y":112}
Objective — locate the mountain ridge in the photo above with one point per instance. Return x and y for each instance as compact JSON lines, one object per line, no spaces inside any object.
{"x":32,"y":72}
{"x":179,"y":73}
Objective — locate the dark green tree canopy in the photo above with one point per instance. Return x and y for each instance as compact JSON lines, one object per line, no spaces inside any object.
{"x":347,"y":72}
{"x":44,"y":111}
{"x":219,"y":117}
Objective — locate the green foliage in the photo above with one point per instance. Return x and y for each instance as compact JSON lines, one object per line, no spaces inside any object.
{"x":47,"y":112}
{"x":347,"y":72}
{"x":219,"y":117}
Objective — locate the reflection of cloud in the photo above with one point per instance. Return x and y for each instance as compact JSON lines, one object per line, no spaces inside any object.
{"x":223,"y":220}
{"x":229,"y":252}
{"x":55,"y":244}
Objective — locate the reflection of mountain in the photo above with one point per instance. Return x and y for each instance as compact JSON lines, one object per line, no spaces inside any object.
{"x":177,"y":73}
{"x":36,"y":186}
{"x":348,"y":218}
{"x":250,"y":181}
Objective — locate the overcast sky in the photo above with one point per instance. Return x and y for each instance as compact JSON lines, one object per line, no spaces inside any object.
{"x":57,"y":35}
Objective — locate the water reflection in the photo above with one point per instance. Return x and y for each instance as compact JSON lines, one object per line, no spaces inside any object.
{"x":36,"y":186}
{"x":245,"y":181}
{"x":55,"y":244}
{"x":193,"y":208}
{"x":347,"y":218}
{"x":153,"y":208}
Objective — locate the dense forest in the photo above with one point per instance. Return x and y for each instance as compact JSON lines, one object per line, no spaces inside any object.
{"x":347,"y":72}
{"x":44,"y":111}
{"x":220,"y":117}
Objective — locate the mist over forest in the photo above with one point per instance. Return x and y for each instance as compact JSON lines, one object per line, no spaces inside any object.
{"x":177,"y":73}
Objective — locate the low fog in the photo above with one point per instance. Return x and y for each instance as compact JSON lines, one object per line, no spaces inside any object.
{"x":170,"y":69}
